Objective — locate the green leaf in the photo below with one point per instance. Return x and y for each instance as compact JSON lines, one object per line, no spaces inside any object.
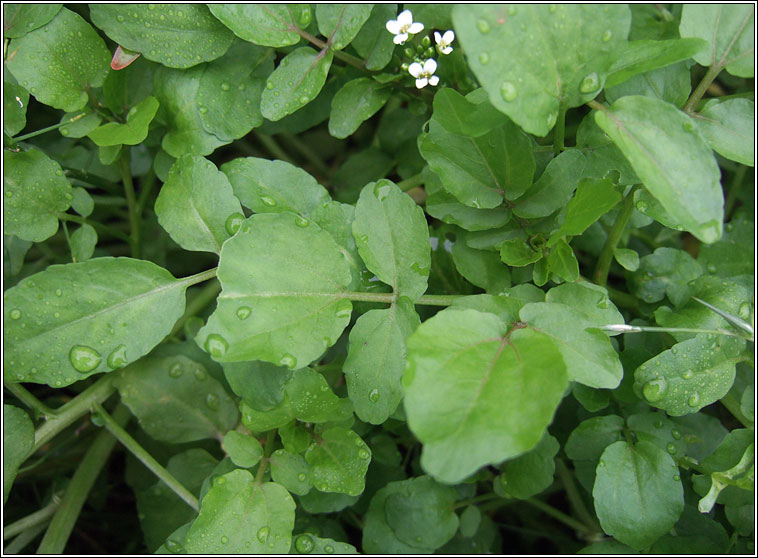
{"x":470,"y":520}
{"x":338,"y":461}
{"x":627,"y":258}
{"x":588,"y":440}
{"x":274,"y":186}
{"x":483,"y":268}
{"x":728,"y":128}
{"x":420,"y":512}
{"x":196,"y":205}
{"x":658,"y":429}
{"x":671,"y":158}
{"x":589,"y":356}
{"x":291,"y":471}
{"x":670,"y":83}
{"x":175,"y":35}
{"x":229,"y":95}
{"x":600,"y":154}
{"x":312,"y":400}
{"x":518,"y":252}
{"x":442,"y":205}
{"x":123,"y":307}
{"x":638,"y":494}
{"x":474,"y":395}
{"x":307,"y":543}
{"x":295,"y":436}
{"x":326,"y":502}
{"x":558,"y":55}
{"x":531,"y":473}
{"x":358,"y":100}
{"x":263,"y":421}
{"x":241,"y":516}
{"x":734,"y":254}
{"x":458,"y":115}
{"x":125,"y":88}
{"x":591,"y":399}
{"x":82,"y":126}
{"x":589,"y":300}
{"x":378,"y":536}
{"x":61,"y":82}
{"x":282,"y":282}
{"x":134,"y":131}
{"x":19,"y":19}
{"x":562,"y":261}
{"x":337,"y":219}
{"x":593,"y":198}
{"x":729,"y":32}
{"x":18,"y":439}
{"x":297,"y":80}
{"x":244,"y":451}
{"x":643,"y":56}
{"x":15,"y":101}
{"x":109,"y":154}
{"x":607,"y":546}
{"x":340,"y":23}
{"x":14,"y":252}
{"x":689,"y":375}
{"x":272,"y":25}
{"x":372,"y":42}
{"x":667,"y":271}
{"x":83,"y":242}
{"x":554,"y":188}
{"x":480,"y":171}
{"x":392,"y":236}
{"x":506,"y":305}
{"x":259,"y":384}
{"x":34,"y":192}
{"x":192,"y":405}
{"x":177,"y":91}
{"x":376,"y":358}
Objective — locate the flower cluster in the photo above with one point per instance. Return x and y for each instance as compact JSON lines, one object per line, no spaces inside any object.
{"x":421,"y":69}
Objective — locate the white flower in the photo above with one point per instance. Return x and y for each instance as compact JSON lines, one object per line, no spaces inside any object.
{"x":443,"y":41}
{"x":403,"y":26}
{"x":424,"y":74}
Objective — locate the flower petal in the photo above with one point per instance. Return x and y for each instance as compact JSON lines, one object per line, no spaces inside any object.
{"x":449,"y":36}
{"x":393,"y":26}
{"x":416,"y":28}
{"x":421,"y":83}
{"x":430,"y":66}
{"x":415,"y":69}
{"x":437,"y":37}
{"x":434,"y":80}
{"x":446,"y":50}
{"x":405,"y":18}
{"x":400,"y":38}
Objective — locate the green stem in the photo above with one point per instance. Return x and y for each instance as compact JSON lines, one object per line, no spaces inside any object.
{"x":574,"y":498}
{"x":147,"y":184}
{"x":48,"y":129}
{"x":623,"y":328}
{"x":268,"y":449}
{"x":620,"y":298}
{"x":274,"y":148}
{"x":733,"y":406}
{"x":198,"y":302}
{"x":118,"y":432}
{"x":199,"y":277}
{"x":32,"y":520}
{"x":305,"y":150}
{"x":68,"y":241}
{"x":26,"y":397}
{"x":734,"y":187}
{"x":345,"y":57}
{"x":131,"y":200}
{"x":560,"y":130}
{"x":614,"y":235}
{"x":72,"y":411}
{"x":57,"y":534}
{"x":701,"y":88}
{"x":389,"y":298}
{"x":411,"y":182}
{"x":110,"y":231}
{"x":91,"y":179}
{"x":476,"y":500}
{"x":19,"y":543}
{"x":559,"y":515}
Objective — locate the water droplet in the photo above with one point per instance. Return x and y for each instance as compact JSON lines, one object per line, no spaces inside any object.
{"x":216,"y":345}
{"x":712,"y":268}
{"x":686,"y":375}
{"x":243,"y":312}
{"x":301,"y":477}
{"x":671,"y":448}
{"x":120,"y":18}
{"x":329,"y":549}
{"x":84,"y":359}
{"x":677,"y":478}
{"x":688,"y":126}
{"x":58,"y":292}
{"x":202,"y":109}
{"x":224,"y":539}
{"x":211,"y":401}
{"x":225,"y":86}
{"x":270,"y":202}
{"x":511,"y":10}
{"x":484,"y":58}
{"x":602,"y":303}
{"x":363,"y":454}
{"x":509,"y":92}
{"x":289,"y":361}
{"x":654,"y":389}
{"x":241,"y":87}
{"x":590,"y":83}
{"x":641,"y":206}
{"x":218,"y":481}
{"x":64,"y":131}
{"x":552,"y":8}
{"x":304,"y":544}
{"x":303,"y":99}
{"x":711,"y":231}
{"x":15,"y":314}
{"x":483,"y":26}
{"x":607,"y":36}
{"x":381,"y":191}
{"x":233,"y":223}
{"x":174,"y":547}
{"x":302,"y":221}
{"x":693,"y":400}
{"x":269,"y":85}
{"x":263,"y":533}
{"x":676,"y":434}
{"x":200,"y":374}
{"x":744,"y":311}
{"x":117,"y":358}
{"x":176,"y":370}
{"x":658,"y":424}
{"x":344,"y":310}
{"x":374,"y":395}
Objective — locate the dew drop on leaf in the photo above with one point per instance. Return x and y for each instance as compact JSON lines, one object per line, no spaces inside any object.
{"x":687,"y":374}
{"x":263,"y":533}
{"x":200,"y":374}
{"x":363,"y":454}
{"x":304,"y":544}
{"x":329,"y":549}
{"x":176,"y":370}
{"x":381,"y":191}
{"x":243,"y":312}
{"x":344,"y":310}
{"x":289,"y":361}
{"x":211,"y":401}
{"x":483,"y":26}
{"x":654,"y":389}
{"x":84,"y":359}
{"x":484,"y":58}
{"x":216,"y":345}
{"x":693,"y":400}
{"x":15,"y":314}
{"x":117,"y":358}
{"x":508,"y":91}
{"x":511,"y":11}
{"x":302,"y":222}
{"x":676,"y":434}
{"x":671,"y":448}
{"x":233,"y":223}
{"x":590,"y":83}
{"x":174,"y":547}
{"x":374,"y":395}
{"x":744,"y":311}
{"x":219,"y":481}
{"x":225,"y":86}
{"x":224,"y":539}
{"x":270,"y":202}
{"x":607,"y":36}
